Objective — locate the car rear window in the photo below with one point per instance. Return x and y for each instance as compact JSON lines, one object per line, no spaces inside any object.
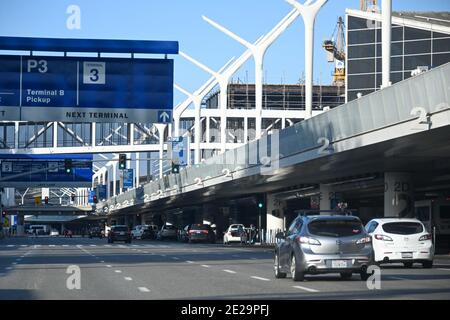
{"x":200,"y":227}
{"x":335,"y":228}
{"x":403,"y":227}
{"x":120,"y":228}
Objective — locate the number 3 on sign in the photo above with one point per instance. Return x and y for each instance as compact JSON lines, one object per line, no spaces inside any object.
{"x":93,"y":72}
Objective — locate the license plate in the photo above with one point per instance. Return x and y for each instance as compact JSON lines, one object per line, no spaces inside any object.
{"x":122,"y":233}
{"x":407,"y":255}
{"x":339,"y":263}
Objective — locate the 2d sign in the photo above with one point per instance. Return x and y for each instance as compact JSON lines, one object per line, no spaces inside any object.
{"x":69,"y":89}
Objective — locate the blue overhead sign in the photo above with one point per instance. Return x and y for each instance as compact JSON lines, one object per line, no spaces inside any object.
{"x":17,"y":171}
{"x":35,"y":88}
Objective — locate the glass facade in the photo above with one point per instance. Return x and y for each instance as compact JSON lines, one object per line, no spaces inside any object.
{"x":411,"y":47}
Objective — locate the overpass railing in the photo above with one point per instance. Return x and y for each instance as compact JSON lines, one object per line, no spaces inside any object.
{"x":414,"y":98}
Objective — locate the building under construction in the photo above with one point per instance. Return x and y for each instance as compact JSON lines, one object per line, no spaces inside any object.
{"x":279,"y":97}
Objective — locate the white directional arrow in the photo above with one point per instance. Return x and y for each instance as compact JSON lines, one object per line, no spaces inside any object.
{"x":164,"y":116}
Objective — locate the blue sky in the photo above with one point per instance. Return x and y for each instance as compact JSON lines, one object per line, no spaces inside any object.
{"x":181,"y":20}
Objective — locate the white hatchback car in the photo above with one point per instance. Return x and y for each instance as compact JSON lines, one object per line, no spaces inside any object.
{"x":401,"y":240}
{"x":235,"y":233}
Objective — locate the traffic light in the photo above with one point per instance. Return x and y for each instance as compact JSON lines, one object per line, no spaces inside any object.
{"x":46,"y":199}
{"x":94,"y":198}
{"x":260,"y":201}
{"x":68,"y":166}
{"x":122,"y":161}
{"x":3,"y":214}
{"x":72,"y":197}
{"x":175,"y":168}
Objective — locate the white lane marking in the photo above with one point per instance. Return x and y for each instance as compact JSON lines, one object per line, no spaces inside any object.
{"x":205,"y":266}
{"x":24,"y":245}
{"x":163,"y":255}
{"x":134,"y":245}
{"x":397,"y":278}
{"x":260,"y":278}
{"x":306,"y":289}
{"x":10,"y":245}
{"x":188,"y":261}
{"x":51,"y":245}
{"x":14,"y":263}
{"x":229,"y":271}
{"x":118,"y":271}
{"x":65,"y":245}
{"x":443,"y":269}
{"x":175,"y":258}
{"x":107,"y":245}
{"x":22,"y":256}
{"x":108,"y":266}
{"x":128,"y":278}
{"x":254,"y":258}
{"x":102,"y":261}
{"x":93,"y":245}
{"x":8,"y":268}
{"x":143,"y":289}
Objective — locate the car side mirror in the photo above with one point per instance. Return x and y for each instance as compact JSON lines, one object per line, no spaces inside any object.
{"x":280,"y":235}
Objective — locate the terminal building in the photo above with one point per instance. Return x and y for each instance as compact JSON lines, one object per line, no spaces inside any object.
{"x":419,"y":39}
{"x":369,"y":156}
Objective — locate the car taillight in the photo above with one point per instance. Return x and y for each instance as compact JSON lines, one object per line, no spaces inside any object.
{"x":205,"y":231}
{"x":425,"y":237}
{"x":364,"y":240}
{"x":308,"y":240}
{"x":382,"y":237}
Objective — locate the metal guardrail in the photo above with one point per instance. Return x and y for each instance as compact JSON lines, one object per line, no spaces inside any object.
{"x":416,"y":97}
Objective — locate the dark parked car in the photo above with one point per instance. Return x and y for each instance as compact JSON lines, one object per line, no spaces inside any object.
{"x":119,"y":233}
{"x":201,"y":233}
{"x":96,"y":233}
{"x":150,"y":232}
{"x":323,"y":244}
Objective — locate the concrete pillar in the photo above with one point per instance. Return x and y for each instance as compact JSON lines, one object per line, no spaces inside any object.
{"x":275,"y":217}
{"x":398,"y":195}
{"x":325,"y":197}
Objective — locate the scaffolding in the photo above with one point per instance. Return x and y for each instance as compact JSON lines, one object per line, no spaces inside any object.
{"x":280,"y":97}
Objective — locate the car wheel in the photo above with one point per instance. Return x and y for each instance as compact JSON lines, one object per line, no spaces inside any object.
{"x":408,"y":264}
{"x":295,"y":273}
{"x":346,"y":275}
{"x":364,"y":275}
{"x":427,"y":264}
{"x":276,"y":266}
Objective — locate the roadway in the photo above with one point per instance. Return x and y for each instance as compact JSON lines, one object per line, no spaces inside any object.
{"x":35,"y":268}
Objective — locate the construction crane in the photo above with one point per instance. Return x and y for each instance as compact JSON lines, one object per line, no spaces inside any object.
{"x":336,"y":52}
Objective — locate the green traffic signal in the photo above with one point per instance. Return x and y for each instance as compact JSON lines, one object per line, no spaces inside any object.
{"x":68,"y":166}
{"x":260,"y":205}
